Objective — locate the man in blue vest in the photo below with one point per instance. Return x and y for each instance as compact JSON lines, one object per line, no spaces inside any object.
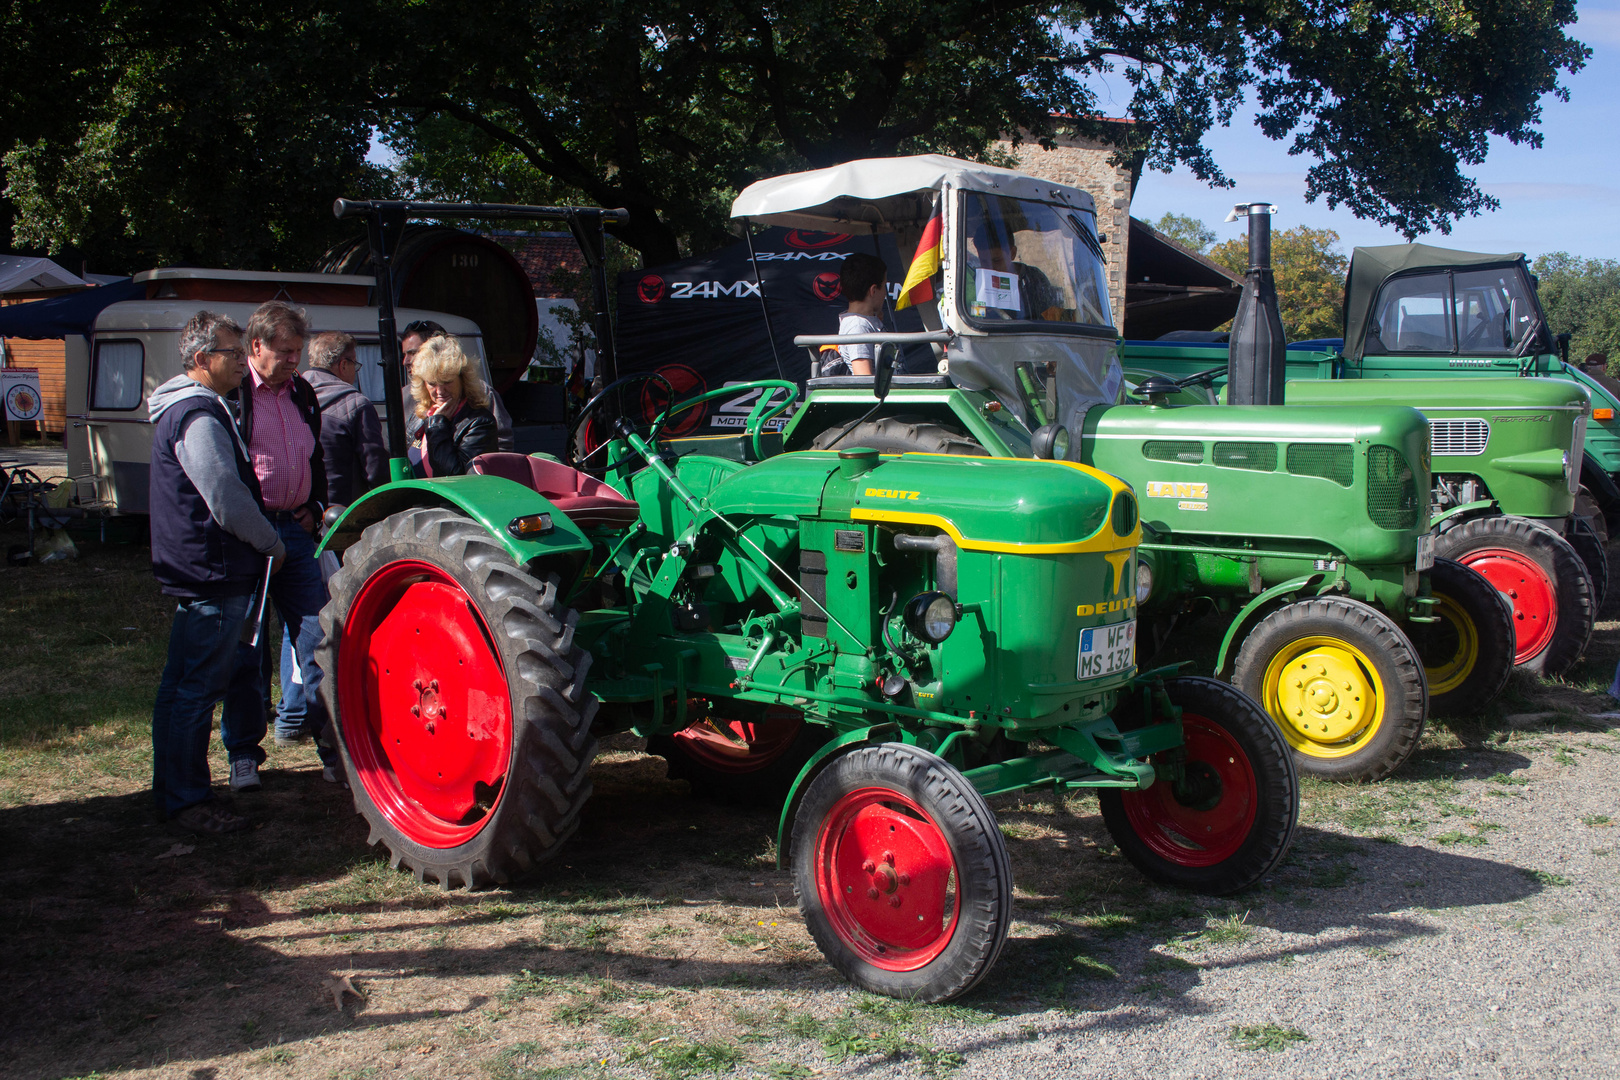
{"x":210,"y":543}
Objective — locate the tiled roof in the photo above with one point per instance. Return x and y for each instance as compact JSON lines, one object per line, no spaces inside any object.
{"x":541,"y":253}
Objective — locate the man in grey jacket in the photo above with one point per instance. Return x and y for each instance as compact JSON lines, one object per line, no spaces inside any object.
{"x":210,"y":544}
{"x":351,"y":435}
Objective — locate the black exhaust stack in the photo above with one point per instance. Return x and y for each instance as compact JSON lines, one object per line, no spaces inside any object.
{"x":1258,"y":352}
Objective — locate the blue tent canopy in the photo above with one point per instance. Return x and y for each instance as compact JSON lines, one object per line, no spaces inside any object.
{"x":74,"y":313}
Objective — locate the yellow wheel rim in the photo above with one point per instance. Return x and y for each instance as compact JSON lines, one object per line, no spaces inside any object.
{"x":1452,"y":670}
{"x":1325,"y":695}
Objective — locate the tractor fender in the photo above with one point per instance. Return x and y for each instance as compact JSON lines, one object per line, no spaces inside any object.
{"x":492,"y":501}
{"x":1251,"y":612}
{"x":790,"y":806}
{"x":1457,"y":513}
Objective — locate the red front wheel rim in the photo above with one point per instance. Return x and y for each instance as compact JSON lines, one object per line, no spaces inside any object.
{"x":887,"y":879}
{"x":1528,"y":588}
{"x":427,"y":717}
{"x":740,"y":747}
{"x":1205,"y":818}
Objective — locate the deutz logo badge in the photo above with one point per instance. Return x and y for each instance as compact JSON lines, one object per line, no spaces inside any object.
{"x":889,"y":493}
{"x":1167,"y":489}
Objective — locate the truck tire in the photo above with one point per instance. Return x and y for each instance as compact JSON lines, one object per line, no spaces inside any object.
{"x":458,"y":697}
{"x":1594,"y":556}
{"x":902,"y":873}
{"x":1343,"y":683}
{"x":901,"y":435}
{"x":1542,"y":577}
{"x":747,"y":762}
{"x":1468,"y":654}
{"x":1230,"y":817}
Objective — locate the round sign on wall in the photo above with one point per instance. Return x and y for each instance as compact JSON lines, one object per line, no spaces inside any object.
{"x":22,"y":403}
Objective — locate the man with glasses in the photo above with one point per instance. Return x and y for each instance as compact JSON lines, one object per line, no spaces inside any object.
{"x":279,"y":418}
{"x":210,"y":543}
{"x":410,"y":340}
{"x":352,"y":447}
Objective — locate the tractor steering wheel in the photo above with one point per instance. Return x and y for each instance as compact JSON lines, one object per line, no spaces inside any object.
{"x":613,"y":392}
{"x":1205,"y":377}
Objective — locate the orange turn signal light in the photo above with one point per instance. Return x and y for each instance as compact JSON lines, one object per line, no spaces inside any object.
{"x":1603,"y":414}
{"x":529,"y":525}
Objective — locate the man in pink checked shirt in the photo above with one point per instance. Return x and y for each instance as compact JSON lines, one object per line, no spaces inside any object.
{"x":280,"y":421}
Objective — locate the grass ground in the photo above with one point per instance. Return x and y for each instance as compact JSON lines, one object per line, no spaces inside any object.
{"x":664,"y":943}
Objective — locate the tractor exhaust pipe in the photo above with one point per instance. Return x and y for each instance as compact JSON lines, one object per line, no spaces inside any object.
{"x":1257,"y":355}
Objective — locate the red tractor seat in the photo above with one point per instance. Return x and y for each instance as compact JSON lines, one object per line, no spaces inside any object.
{"x":585,"y":499}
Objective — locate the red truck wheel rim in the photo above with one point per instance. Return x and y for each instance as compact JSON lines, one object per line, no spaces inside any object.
{"x":886,"y":879}
{"x":1204,"y":819}
{"x":1527,"y":586}
{"x":427,"y":718}
{"x":740,"y":746}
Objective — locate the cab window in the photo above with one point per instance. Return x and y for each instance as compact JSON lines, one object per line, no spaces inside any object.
{"x":1028,"y":261}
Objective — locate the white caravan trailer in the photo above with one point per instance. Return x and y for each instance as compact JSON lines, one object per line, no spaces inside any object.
{"x":133,"y":347}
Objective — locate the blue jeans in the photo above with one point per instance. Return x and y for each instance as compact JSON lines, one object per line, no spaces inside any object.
{"x":298,"y":594}
{"x":206,"y":663}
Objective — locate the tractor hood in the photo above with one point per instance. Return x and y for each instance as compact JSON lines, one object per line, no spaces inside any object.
{"x":1433,"y":397}
{"x":1370,"y":267}
{"x":1013,"y":505}
{"x":880,"y":194}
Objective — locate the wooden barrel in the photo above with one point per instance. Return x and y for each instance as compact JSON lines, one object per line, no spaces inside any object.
{"x":443,"y":269}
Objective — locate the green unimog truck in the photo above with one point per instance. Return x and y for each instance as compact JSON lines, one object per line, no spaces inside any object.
{"x":1308,"y":527}
{"x":954,"y":628}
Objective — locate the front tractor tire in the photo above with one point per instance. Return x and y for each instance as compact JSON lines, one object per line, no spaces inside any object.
{"x":1222,"y":811}
{"x":1540,"y":575}
{"x":1343,"y":683}
{"x":458,"y":697}
{"x":902,"y":873}
{"x":1467,"y":654}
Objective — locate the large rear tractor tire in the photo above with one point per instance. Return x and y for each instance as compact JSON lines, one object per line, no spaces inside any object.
{"x":1343,"y":683}
{"x":901,"y":435}
{"x":458,"y":697}
{"x":902,"y":873}
{"x":747,"y":762}
{"x":1542,"y":577}
{"x":1594,"y":556}
{"x":1228,"y":817}
{"x":1468,"y":654}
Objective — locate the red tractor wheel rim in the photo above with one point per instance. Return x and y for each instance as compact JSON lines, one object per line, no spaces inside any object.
{"x":740,"y":746}
{"x":427,"y":718}
{"x":1205,"y":818}
{"x":1528,"y":587}
{"x":887,"y":879}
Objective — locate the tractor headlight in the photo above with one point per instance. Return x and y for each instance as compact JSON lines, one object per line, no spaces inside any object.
{"x":1144,"y":582}
{"x":930,"y":616}
{"x":1051,"y":442}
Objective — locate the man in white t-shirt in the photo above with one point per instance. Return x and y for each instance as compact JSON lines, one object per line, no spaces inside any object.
{"x":863,"y":281}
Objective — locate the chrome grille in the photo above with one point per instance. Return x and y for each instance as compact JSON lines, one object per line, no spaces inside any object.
{"x":1459,"y":438}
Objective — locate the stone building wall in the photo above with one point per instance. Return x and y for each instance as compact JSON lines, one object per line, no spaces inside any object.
{"x":1083,"y":163}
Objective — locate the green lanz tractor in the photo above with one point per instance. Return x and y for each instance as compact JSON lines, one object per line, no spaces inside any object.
{"x":951,"y":628}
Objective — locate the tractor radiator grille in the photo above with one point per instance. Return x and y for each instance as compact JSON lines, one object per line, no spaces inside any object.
{"x":1259,"y":456}
{"x":1392,"y":495}
{"x":813,"y":590}
{"x":1459,"y":438}
{"x":1326,"y":460}
{"x":1189,"y":453}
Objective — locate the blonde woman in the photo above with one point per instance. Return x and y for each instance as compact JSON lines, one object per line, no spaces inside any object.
{"x":454,"y":406}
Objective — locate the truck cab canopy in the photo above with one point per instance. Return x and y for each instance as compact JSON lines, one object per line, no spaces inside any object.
{"x":1372,"y":267}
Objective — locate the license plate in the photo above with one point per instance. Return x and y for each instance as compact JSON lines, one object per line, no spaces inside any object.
{"x":1425,"y":552}
{"x":1107,"y":650}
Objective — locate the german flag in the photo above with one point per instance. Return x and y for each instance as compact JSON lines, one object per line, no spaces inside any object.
{"x":919,"y":286}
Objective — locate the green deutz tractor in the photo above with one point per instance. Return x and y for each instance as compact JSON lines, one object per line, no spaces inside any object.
{"x":951,"y":628}
{"x":1308,"y":527}
{"x":1507,"y":493}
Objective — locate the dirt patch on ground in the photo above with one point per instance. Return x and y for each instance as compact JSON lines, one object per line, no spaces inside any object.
{"x":1458,"y":919}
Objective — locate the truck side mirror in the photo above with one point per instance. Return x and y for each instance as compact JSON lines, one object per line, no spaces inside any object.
{"x":1563,"y":346}
{"x":883,"y":373}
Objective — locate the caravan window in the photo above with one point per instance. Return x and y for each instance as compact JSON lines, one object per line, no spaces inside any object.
{"x":1029,"y":261}
{"x":116,"y":375}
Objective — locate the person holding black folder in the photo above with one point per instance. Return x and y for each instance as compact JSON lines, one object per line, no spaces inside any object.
{"x":212,"y":549}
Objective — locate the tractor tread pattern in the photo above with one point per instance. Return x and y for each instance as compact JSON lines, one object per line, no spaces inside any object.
{"x":900,"y":435}
{"x":1577,"y":611}
{"x":1594,"y":556}
{"x":1405,"y":683}
{"x":551,"y":714}
{"x":1493,"y":623}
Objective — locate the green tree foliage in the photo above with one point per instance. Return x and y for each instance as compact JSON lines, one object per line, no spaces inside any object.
{"x":1189,"y":232}
{"x":221,"y":133}
{"x":1582,"y":299}
{"x":1309,"y":270}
